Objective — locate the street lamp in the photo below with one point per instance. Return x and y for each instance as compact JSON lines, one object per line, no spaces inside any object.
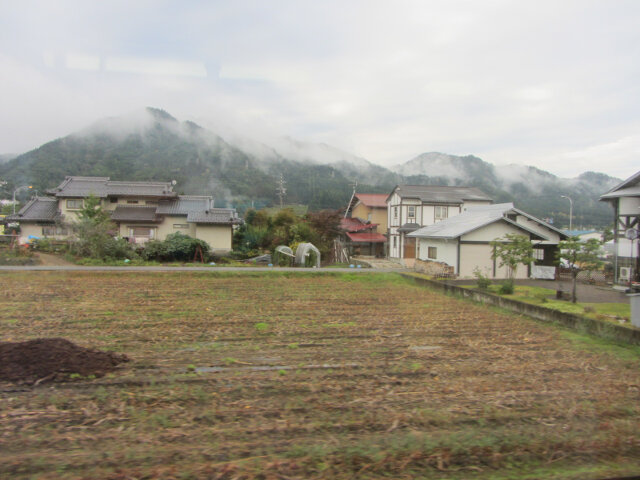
{"x":570,"y":211}
{"x":14,"y":195}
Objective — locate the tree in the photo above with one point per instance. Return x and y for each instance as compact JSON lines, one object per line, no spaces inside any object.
{"x":512,"y":250}
{"x":580,"y":257}
{"x":95,"y":234}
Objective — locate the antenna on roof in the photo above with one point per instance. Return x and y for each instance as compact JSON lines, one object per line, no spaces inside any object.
{"x":354,"y":185}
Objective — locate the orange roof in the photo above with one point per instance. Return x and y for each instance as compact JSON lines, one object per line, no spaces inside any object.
{"x":377,"y":200}
{"x":355,"y":225}
{"x":367,"y":237}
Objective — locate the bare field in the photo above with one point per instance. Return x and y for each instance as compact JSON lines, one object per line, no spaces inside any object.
{"x":282,"y":376}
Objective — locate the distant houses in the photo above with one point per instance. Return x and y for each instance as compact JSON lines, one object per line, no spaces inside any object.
{"x":141,"y":211}
{"x":447,"y":228}
{"x":410,"y":207}
{"x":463,"y":242}
{"x":625,"y":200}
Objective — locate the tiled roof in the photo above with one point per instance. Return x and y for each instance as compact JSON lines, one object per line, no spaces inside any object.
{"x":126,"y":213}
{"x":184,"y":204}
{"x":102,"y":187}
{"x":39,"y":209}
{"x":355,"y":225}
{"x":441,"y":194}
{"x":367,"y":237}
{"x":375,"y":200}
{"x":224,"y":216}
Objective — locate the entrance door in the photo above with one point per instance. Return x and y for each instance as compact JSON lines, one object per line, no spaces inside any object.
{"x":409,"y":247}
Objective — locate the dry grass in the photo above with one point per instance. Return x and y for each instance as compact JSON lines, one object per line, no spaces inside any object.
{"x":314,"y":376}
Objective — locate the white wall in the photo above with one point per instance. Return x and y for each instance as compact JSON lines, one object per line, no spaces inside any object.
{"x":629,"y":206}
{"x":447,"y":251}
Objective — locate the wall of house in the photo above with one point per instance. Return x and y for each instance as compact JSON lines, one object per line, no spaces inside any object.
{"x":68,"y":215}
{"x":629,"y":205}
{"x":378,"y":215}
{"x":167,"y":226}
{"x":478,"y":255}
{"x":27,"y":229}
{"x":473,"y":203}
{"x":447,"y":251}
{"x":217,"y":236}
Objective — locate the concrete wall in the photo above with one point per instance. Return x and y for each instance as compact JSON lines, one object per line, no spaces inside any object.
{"x":581,"y":324}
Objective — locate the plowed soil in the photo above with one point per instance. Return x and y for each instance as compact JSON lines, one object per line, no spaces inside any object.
{"x":309,"y":376}
{"x":44,"y":359}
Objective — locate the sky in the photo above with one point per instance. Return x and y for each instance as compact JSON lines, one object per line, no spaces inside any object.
{"x":553,"y":84}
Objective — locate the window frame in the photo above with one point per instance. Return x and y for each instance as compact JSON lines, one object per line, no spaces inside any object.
{"x":70,"y":202}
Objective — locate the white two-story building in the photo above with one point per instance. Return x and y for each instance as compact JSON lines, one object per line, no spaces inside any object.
{"x":410,"y":207}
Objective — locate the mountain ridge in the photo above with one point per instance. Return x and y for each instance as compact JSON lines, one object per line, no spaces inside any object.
{"x":153,"y":145}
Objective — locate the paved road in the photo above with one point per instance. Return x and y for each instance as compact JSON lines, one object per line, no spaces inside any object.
{"x":585,"y":292}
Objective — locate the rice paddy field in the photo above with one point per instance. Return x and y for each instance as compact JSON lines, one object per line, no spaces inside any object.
{"x":308,"y":375}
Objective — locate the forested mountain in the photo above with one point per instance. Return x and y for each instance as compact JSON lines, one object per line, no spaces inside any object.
{"x":529,"y":188}
{"x":153,"y":145}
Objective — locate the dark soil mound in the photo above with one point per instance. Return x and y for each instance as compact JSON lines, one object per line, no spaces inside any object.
{"x":46,"y":359}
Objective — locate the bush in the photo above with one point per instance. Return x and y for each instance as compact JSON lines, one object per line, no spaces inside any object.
{"x":176,"y":247}
{"x":507,"y":287}
{"x":482,"y":282}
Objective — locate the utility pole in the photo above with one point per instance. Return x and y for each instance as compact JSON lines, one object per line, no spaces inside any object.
{"x":281,"y":191}
{"x":354,"y":185}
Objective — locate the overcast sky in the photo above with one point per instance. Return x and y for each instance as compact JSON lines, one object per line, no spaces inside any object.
{"x":554,"y":84}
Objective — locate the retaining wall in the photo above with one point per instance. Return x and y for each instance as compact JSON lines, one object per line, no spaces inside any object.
{"x":579,"y":323}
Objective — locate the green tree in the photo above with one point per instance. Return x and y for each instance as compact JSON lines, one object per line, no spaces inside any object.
{"x":512,"y":250}
{"x":95,"y":234}
{"x":580,"y":257}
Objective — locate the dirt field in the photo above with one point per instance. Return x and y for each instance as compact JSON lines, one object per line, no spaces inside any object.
{"x":289,"y":376}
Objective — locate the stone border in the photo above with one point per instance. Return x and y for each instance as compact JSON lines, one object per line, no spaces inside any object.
{"x":575,"y":322}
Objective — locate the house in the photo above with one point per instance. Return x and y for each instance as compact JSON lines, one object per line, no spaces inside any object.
{"x":410,"y":207}
{"x":625,"y":200}
{"x":362,"y":239}
{"x":462,"y":242}
{"x":141,"y":211}
{"x":370,"y":208}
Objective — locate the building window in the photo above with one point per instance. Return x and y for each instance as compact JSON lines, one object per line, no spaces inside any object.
{"x":113,"y":199}
{"x":51,"y":230}
{"x":181,"y":225}
{"x":440,"y":212}
{"x":369,"y":217}
{"x":432,"y":253}
{"x":395,"y":212}
{"x":538,"y":253}
{"x":411,"y":212}
{"x":75,"y":204}
{"x":395,"y":242}
{"x":132,"y":201}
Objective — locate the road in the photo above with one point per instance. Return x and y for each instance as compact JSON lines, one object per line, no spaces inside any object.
{"x":79,"y":268}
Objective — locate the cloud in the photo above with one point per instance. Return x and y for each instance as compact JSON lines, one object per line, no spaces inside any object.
{"x":508,"y":81}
